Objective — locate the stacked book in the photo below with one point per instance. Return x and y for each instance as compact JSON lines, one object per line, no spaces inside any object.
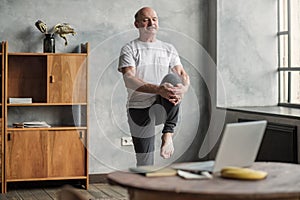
{"x":19,"y":100}
{"x":154,"y":171}
{"x":32,"y":124}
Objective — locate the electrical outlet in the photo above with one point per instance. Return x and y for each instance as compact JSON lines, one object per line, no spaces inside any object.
{"x":126,"y":141}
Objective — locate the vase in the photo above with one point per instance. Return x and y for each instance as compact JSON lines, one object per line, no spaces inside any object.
{"x":49,"y":43}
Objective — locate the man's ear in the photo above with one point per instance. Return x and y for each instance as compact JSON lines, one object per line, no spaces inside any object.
{"x":136,"y":24}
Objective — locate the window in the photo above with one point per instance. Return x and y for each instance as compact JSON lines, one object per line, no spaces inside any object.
{"x":289,"y":52}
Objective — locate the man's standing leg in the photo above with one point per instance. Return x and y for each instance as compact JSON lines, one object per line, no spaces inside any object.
{"x":142,"y":128}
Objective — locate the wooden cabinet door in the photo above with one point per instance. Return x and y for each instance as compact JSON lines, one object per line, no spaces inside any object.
{"x":67,"y":154}
{"x":26,"y":154}
{"x":67,"y":78}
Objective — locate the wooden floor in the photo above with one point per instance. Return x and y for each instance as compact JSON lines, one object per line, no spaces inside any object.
{"x":96,"y":191}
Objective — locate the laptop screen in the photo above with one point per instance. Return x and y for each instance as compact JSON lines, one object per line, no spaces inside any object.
{"x":240,"y":144}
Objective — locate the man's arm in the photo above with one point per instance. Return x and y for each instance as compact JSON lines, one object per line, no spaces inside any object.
{"x":185,"y":79}
{"x":132,"y":82}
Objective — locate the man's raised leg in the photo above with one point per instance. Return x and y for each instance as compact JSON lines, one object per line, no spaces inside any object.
{"x":171,"y":118}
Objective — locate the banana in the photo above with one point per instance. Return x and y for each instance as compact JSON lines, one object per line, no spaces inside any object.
{"x":243,"y":173}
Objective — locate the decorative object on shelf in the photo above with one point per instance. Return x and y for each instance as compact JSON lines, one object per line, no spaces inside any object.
{"x":62,"y":29}
{"x":49,"y":43}
{"x":41,"y":26}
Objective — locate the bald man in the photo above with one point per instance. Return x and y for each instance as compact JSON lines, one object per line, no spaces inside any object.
{"x":156,"y":82}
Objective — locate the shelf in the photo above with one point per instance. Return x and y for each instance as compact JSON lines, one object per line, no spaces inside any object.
{"x":49,"y":179}
{"x":26,"y":54}
{"x":42,"y":54}
{"x":56,"y":84}
{"x":27,"y":77}
{"x":49,"y":128}
{"x":46,"y":104}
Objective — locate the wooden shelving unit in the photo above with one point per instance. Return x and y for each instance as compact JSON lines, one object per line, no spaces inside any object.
{"x":3,"y":60}
{"x":57,"y":85}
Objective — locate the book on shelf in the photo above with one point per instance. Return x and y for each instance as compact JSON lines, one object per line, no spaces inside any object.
{"x":32,"y":124}
{"x":154,"y":171}
{"x":19,"y":100}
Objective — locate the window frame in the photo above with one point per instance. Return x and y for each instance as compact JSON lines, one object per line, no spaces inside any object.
{"x":289,"y":69}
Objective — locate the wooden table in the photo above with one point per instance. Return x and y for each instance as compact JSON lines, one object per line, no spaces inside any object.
{"x":282,"y":182}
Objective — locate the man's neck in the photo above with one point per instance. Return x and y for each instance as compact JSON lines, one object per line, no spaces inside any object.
{"x":147,"y":38}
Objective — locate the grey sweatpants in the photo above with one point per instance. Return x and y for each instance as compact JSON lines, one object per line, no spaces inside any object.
{"x":142,"y":123}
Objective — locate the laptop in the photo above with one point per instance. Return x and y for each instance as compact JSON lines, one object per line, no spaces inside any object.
{"x":239,"y":147}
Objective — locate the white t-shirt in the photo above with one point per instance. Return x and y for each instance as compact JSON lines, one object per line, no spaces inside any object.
{"x":152,"y":61}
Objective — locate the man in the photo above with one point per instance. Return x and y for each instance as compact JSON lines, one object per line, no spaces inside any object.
{"x":156,"y":83}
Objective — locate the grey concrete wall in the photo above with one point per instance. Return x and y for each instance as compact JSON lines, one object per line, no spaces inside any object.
{"x":247,"y":52}
{"x":108,"y":25}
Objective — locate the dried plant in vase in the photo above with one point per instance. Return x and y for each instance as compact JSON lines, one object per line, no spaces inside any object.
{"x":61,"y":29}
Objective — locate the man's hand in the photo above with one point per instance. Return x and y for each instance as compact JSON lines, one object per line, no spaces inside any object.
{"x":179,"y":91}
{"x":174,"y":94}
{"x":166,"y":90}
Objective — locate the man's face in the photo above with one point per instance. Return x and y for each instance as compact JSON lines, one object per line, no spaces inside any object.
{"x":147,"y":21}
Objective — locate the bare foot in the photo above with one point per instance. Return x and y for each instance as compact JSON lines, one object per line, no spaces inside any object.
{"x":167,"y":148}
